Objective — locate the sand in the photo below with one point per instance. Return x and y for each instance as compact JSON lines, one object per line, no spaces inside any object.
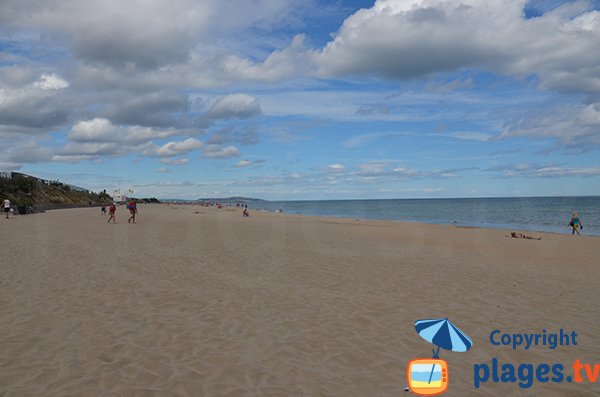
{"x":194,"y":301}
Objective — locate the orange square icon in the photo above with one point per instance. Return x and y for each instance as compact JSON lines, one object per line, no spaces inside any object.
{"x":427,"y":376}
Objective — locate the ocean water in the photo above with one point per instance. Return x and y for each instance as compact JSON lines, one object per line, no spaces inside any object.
{"x":547,"y":214}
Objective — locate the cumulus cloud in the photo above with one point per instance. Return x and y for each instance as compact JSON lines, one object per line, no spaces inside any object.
{"x":141,"y":35}
{"x":74,"y":152}
{"x":97,"y":138}
{"x":291,"y":61}
{"x":220,"y":152}
{"x":34,"y":106}
{"x":240,"y":106}
{"x":404,"y":39}
{"x":154,"y":109}
{"x":25,"y":152}
{"x":101,"y":130}
{"x":171,"y":149}
{"x":50,"y":82}
{"x":243,"y":163}
{"x":7,"y":167}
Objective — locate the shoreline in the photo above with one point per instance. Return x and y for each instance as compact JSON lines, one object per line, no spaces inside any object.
{"x":394,"y":221}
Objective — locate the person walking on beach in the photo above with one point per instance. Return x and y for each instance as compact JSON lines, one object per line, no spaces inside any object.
{"x":575,"y":223}
{"x":111,"y":211}
{"x":132,"y":210}
{"x":6,"y":206}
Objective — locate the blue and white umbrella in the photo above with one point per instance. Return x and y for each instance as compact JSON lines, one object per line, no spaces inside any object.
{"x":442,"y":333}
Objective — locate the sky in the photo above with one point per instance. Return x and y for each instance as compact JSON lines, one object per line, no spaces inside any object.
{"x":304,"y":99}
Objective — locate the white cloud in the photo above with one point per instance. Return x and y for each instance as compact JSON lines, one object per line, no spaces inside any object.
{"x":171,"y":149}
{"x":248,"y":163}
{"x":220,"y":152}
{"x":575,"y":127}
{"x":175,"y":161}
{"x":404,"y":39}
{"x":102,"y":130}
{"x":289,"y":62}
{"x":240,"y":106}
{"x":8,"y":166}
{"x":409,"y":172}
{"x":471,"y":136}
{"x":336,"y":167}
{"x":373,"y":168}
{"x":34,"y":106}
{"x":243,"y":164}
{"x":163,"y":170}
{"x":91,"y":149}
{"x":50,"y":82}
{"x":554,"y":172}
{"x":544,"y":171}
{"x":28,"y":152}
{"x":141,"y":35}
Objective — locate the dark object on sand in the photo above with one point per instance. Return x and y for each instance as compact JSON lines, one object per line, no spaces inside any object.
{"x":522,"y":235}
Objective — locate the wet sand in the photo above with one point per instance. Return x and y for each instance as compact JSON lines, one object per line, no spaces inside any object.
{"x":194,"y":301}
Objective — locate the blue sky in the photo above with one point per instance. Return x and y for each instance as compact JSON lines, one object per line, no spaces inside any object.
{"x":283,"y":99}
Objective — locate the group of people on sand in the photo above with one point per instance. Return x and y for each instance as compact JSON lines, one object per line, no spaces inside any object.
{"x":112,"y":210}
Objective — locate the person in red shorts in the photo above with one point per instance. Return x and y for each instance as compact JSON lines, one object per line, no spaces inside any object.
{"x":132,"y":210}
{"x":111,"y":211}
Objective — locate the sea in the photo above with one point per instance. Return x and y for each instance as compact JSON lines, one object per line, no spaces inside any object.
{"x":543,"y":214}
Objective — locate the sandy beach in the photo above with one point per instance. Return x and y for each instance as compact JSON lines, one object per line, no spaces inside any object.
{"x":195,"y":301}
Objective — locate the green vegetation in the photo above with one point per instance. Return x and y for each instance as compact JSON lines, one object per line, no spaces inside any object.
{"x":27,"y":190}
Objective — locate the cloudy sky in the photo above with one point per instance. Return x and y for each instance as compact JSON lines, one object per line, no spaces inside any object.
{"x":304,"y":99}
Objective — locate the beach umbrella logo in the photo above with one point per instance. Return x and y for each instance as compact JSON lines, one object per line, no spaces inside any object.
{"x":429,"y":377}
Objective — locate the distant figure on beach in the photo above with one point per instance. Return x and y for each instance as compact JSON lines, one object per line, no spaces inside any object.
{"x":575,"y":223}
{"x":6,"y":206}
{"x":112,"y":210}
{"x":132,"y":210}
{"x":522,"y":235}
{"x":245,"y":213}
{"x":103,"y":210}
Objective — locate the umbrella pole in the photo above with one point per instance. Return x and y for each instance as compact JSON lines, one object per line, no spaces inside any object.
{"x":435,"y":355}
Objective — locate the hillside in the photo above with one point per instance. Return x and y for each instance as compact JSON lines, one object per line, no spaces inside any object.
{"x":26,"y":190}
